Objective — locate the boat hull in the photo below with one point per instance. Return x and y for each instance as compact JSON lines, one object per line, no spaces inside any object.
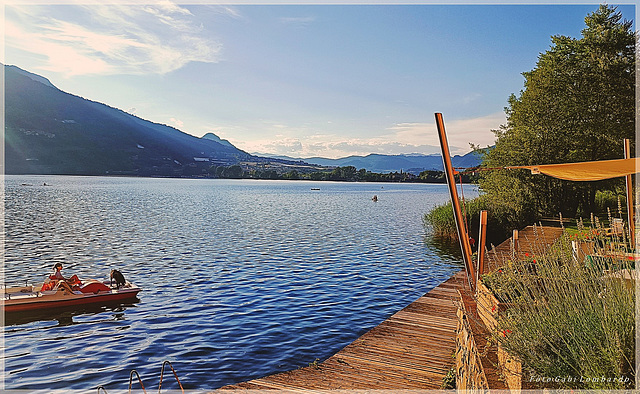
{"x":36,"y":300}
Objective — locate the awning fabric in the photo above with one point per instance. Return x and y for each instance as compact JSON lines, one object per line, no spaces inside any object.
{"x":588,"y":170}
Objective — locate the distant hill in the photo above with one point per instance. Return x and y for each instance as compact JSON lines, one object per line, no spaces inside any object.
{"x":414,"y":163}
{"x":213,"y":137}
{"x":48,"y":131}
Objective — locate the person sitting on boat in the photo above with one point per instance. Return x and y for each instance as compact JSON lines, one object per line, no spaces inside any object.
{"x":52,"y":284}
{"x":73,"y":281}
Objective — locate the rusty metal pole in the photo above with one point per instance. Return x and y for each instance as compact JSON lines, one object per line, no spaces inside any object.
{"x":630,"y":218}
{"x":455,"y":202}
{"x":482,"y":240}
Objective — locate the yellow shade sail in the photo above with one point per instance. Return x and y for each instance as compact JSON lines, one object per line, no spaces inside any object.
{"x":588,"y":170}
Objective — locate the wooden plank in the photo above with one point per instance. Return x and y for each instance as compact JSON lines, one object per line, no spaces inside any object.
{"x":386,"y":365}
{"x":421,"y":362}
{"x":367,"y":373}
{"x":394,"y":378}
{"x":428,"y":348}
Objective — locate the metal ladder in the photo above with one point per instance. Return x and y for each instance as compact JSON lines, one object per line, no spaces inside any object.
{"x":134,"y":372}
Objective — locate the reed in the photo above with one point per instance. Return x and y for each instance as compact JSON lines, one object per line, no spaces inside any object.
{"x":570,"y":318}
{"x":440,"y":222}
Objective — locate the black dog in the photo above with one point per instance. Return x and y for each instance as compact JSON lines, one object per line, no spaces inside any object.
{"x":118,"y":277}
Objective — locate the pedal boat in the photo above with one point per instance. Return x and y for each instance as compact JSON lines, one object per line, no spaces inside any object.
{"x":91,"y":292}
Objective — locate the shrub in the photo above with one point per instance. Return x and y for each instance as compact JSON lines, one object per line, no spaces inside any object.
{"x":608,"y":199}
{"x":440,"y":220}
{"x":570,"y":322}
{"x":500,"y":222}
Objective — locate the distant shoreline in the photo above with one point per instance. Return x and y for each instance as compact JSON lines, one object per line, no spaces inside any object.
{"x":384,"y":178}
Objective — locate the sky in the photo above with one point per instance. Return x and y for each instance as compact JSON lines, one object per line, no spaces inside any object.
{"x":329,"y":80}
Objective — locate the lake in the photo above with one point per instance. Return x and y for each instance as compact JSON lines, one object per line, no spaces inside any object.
{"x":241,"y":278}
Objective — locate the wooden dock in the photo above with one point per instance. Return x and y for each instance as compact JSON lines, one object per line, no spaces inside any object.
{"x":411,"y":350}
{"x":532,"y":241}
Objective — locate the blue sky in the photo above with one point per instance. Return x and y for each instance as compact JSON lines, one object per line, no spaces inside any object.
{"x":300,"y":80}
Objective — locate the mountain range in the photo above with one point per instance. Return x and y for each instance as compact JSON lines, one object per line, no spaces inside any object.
{"x":48,"y":131}
{"x":413,"y":163}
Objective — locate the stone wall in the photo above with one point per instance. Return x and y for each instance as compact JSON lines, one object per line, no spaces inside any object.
{"x":469,"y":372}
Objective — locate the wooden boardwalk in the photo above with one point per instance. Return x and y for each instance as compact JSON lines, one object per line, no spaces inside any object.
{"x":411,"y":350}
{"x":532,"y":241}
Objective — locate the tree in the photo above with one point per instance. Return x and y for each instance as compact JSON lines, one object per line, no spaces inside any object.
{"x":361,"y":175}
{"x":234,"y":172}
{"x":347,"y":173}
{"x":578,"y":104}
{"x":318,"y":176}
{"x":293,"y":174}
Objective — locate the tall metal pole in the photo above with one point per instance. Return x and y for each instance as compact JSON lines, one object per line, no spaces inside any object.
{"x":455,"y":202}
{"x":630,"y":218}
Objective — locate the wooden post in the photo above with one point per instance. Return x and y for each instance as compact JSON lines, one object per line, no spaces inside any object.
{"x":630,"y":218}
{"x":482,"y":240}
{"x":463,"y":237}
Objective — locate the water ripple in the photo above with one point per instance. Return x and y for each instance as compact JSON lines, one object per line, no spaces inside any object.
{"x":241,"y":278}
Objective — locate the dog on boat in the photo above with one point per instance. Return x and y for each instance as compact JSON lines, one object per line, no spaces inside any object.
{"x":118,"y":277}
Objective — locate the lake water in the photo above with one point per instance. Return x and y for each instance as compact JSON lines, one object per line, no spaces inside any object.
{"x":241,"y":278}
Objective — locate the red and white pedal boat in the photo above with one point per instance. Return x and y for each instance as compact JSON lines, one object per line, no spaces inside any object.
{"x":90,"y":292}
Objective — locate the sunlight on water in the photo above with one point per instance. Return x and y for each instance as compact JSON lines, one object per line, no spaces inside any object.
{"x":241,"y":278}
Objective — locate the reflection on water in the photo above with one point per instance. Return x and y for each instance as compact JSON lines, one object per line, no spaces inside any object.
{"x":64,"y":316}
{"x":445,"y":247}
{"x":241,"y":278}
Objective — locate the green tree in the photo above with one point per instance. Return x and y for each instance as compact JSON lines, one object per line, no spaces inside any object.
{"x":347,"y":173}
{"x":293,"y":174}
{"x":268,"y":174}
{"x":577,"y":105}
{"x":361,"y":175}
{"x":234,"y":172}
{"x":432,"y":176}
{"x":318,"y":176}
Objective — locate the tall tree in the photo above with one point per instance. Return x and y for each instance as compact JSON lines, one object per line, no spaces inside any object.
{"x":578,"y":104}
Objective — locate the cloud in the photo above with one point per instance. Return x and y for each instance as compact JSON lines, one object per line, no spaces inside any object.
{"x":228,"y":11}
{"x":109,"y":39}
{"x":287,"y":146}
{"x":297,"y":21}
{"x":460,"y":133}
{"x":402,"y":138}
{"x":334,"y":149}
{"x":177,"y":123}
{"x":471,"y":98}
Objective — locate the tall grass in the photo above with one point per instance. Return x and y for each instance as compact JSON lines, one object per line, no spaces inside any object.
{"x":570,"y":321}
{"x":441,"y":222}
